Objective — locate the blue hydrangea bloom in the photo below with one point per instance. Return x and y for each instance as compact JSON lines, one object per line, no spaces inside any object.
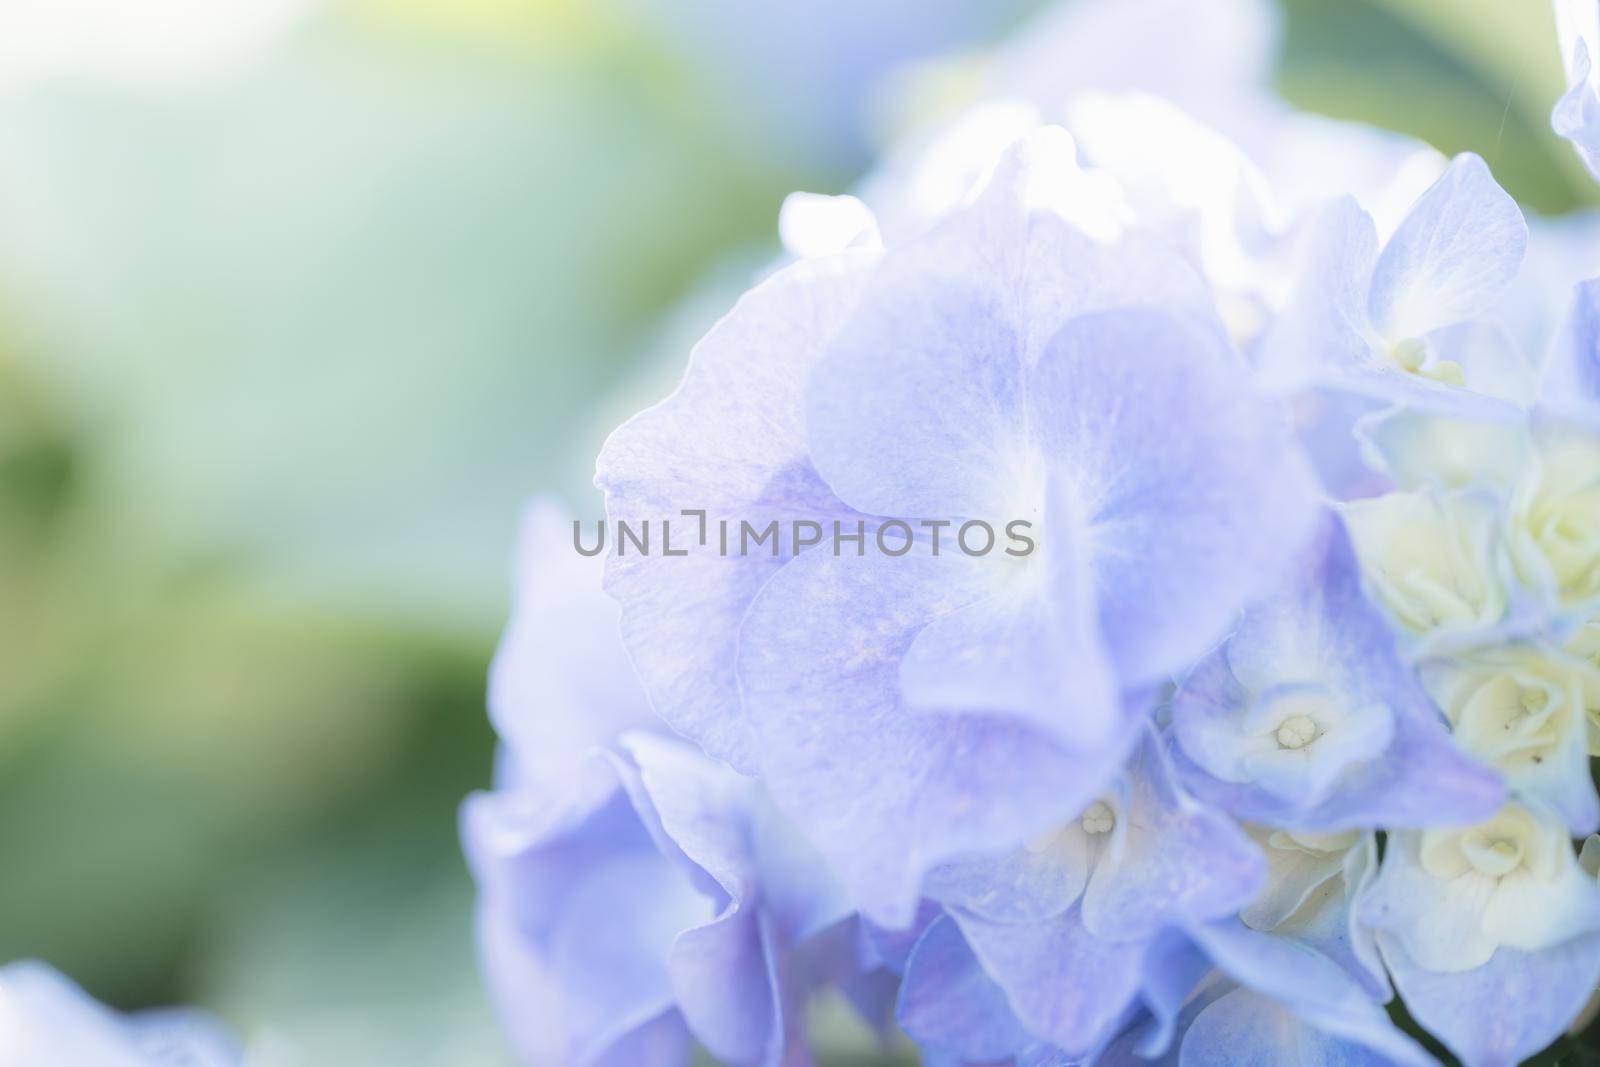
{"x":1308,"y":718}
{"x":1401,"y":323}
{"x":1286,"y":710}
{"x":47,"y":1021}
{"x":1491,"y":932}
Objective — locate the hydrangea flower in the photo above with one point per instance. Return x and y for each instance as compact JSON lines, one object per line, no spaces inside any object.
{"x":1400,"y":323}
{"x":1283,"y":707}
{"x":47,"y":1021}
{"x":1524,"y":709}
{"x":1308,"y":718}
{"x":1492,"y":933}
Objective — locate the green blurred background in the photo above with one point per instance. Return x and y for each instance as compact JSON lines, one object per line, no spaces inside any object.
{"x":298,"y":301}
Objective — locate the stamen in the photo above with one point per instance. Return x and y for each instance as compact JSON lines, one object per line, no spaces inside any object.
{"x":1297,"y":731}
{"x":1099,"y":818}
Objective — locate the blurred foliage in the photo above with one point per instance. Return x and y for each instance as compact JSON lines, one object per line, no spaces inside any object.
{"x":1464,"y":75}
{"x":281,"y":354}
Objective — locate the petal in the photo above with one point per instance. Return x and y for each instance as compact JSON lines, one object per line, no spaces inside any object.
{"x":1193,"y":492}
{"x":916,"y":409}
{"x":1177,"y":981}
{"x":1571,"y":380}
{"x":886,"y":792}
{"x":1323,"y":327}
{"x":947,"y":999}
{"x":1312,"y":987}
{"x":1454,"y":254}
{"x":1189,"y":182}
{"x":1328,"y":422}
{"x":1422,"y":778}
{"x":729,"y":976}
{"x":1172,"y":860}
{"x":575,"y":926}
{"x":1381,"y":378}
{"x":729,"y":442}
{"x":1544,"y":756}
{"x":561,"y":683}
{"x":1030,"y":884}
{"x":659,"y":1042}
{"x":1294,"y":875}
{"x":1033,"y":648}
{"x":1506,"y":1010}
{"x":1530,"y":916}
{"x":1419,"y":449}
{"x":1329,"y":920}
{"x":812,"y":225}
{"x":47,"y":1019}
{"x":1247,"y":1029}
{"x":723,"y":981}
{"x":1067,"y":986}
{"x":1438,"y":922}
{"x":1577,"y":114}
{"x":1002,"y":655}
{"x":1490,"y":362}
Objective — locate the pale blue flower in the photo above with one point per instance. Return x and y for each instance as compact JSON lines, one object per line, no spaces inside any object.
{"x":1492,"y":932}
{"x":1403,"y":323}
{"x":47,"y":1021}
{"x":1309,"y":719}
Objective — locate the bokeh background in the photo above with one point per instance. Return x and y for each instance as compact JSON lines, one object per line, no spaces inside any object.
{"x":299,"y":300}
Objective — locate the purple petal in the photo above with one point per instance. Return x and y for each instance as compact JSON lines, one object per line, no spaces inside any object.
{"x":947,"y":1000}
{"x":886,"y":792}
{"x":1312,"y":987}
{"x":1323,"y":328}
{"x":1577,"y":114}
{"x":1068,"y":987}
{"x":1501,"y":1013}
{"x":1194,"y":495}
{"x":1452,"y":257}
{"x":916,"y":410}
{"x":1028,"y":644}
{"x":561,"y":684}
{"x":575,"y":924}
{"x":1243,"y":1028}
{"x":1571,"y":380}
{"x":730,"y":441}
{"x":1175,"y":861}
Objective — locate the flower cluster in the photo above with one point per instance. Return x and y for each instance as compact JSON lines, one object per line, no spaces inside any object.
{"x":1290,"y":712}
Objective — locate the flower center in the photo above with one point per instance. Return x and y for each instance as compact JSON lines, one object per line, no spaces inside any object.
{"x":1412,"y":357}
{"x":1098,"y":818}
{"x":1297,"y":731}
{"x":1492,"y":855}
